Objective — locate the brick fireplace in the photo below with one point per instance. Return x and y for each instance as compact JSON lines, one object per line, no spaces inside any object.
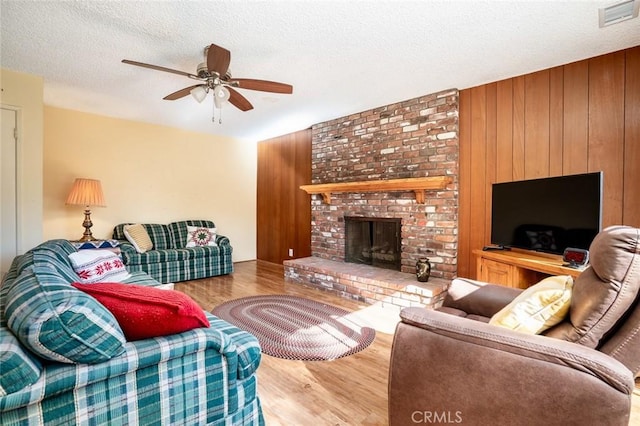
{"x":410,"y":139}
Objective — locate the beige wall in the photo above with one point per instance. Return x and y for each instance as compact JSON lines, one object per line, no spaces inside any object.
{"x":149,"y":174}
{"x":23,"y":93}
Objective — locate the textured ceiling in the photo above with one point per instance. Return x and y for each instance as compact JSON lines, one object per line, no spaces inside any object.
{"x":341,"y":57}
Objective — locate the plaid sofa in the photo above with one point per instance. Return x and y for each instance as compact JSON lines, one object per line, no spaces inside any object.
{"x":170,"y":261}
{"x":62,"y":362}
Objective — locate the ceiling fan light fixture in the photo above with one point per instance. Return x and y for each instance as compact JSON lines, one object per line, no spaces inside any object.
{"x":198,"y":93}
{"x":220,"y":95}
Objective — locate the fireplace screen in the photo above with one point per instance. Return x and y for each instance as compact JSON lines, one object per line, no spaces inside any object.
{"x":373,"y":241}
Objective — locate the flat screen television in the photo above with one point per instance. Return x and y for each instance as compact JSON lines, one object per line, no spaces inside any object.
{"x":548,"y":214}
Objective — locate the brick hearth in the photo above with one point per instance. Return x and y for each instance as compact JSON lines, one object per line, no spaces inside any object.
{"x":366,"y":283}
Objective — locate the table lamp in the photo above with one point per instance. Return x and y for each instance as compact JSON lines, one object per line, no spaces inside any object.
{"x":86,"y":192}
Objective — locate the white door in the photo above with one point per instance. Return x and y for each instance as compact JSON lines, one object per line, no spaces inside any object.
{"x":8,"y":192}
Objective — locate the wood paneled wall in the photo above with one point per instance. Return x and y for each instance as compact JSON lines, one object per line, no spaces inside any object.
{"x":576,"y":118}
{"x":283,"y":209}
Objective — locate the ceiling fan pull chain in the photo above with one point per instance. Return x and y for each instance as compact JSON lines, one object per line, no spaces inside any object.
{"x":213,"y":114}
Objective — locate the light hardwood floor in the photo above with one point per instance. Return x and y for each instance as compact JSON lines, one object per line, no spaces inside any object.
{"x":346,"y":391}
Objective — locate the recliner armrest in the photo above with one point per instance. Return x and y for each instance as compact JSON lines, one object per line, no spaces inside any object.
{"x":477,"y":297}
{"x":485,"y":374}
{"x":544,"y":348}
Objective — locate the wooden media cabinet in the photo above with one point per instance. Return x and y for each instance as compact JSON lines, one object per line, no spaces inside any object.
{"x":519,"y":268}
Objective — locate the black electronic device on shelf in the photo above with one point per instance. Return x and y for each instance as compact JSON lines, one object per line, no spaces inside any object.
{"x":495,"y":248}
{"x":575,"y":257}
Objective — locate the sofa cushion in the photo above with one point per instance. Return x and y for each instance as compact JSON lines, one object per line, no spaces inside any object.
{"x":180,"y":233}
{"x":94,"y":266}
{"x":155,"y":256}
{"x":58,"y":322}
{"x":18,"y":368}
{"x":198,"y":236}
{"x":159,"y":234}
{"x":164,"y":256}
{"x":604,"y":291}
{"x":145,"y":312}
{"x":539,"y":307}
{"x":138,"y":236}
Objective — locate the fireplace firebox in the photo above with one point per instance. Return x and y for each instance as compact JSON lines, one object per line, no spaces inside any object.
{"x":373,"y":241}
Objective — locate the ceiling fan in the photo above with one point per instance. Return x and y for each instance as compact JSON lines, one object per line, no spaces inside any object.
{"x":214,"y":76}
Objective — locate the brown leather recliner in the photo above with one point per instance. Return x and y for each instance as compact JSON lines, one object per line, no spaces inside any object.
{"x":448,"y":366}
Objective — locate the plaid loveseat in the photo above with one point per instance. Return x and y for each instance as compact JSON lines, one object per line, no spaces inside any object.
{"x":169,"y":260}
{"x":63,"y":361}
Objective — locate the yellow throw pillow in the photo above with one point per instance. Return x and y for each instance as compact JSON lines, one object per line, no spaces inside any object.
{"x":138,"y":236}
{"x":537,"y":308}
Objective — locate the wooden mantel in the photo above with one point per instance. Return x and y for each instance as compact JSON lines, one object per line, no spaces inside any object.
{"x":417,"y":185}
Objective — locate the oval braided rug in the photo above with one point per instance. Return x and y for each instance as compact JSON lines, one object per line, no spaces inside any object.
{"x":292,"y":327}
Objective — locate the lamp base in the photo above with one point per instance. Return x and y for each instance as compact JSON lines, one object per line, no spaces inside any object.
{"x":87,"y":236}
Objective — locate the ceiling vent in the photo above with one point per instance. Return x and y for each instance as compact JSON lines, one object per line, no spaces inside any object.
{"x":618,"y":12}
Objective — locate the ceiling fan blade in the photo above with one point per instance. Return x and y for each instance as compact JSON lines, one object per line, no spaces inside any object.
{"x":239,"y":101}
{"x":181,"y":93}
{"x":218,"y":59}
{"x":159,"y":68}
{"x":263,"y":85}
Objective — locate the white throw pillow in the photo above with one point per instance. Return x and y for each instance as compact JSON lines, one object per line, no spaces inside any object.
{"x":95,"y":266}
{"x":138,"y":236}
{"x":199,"y":236}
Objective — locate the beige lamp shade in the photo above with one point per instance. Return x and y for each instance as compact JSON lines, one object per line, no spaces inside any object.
{"x":86,"y":192}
